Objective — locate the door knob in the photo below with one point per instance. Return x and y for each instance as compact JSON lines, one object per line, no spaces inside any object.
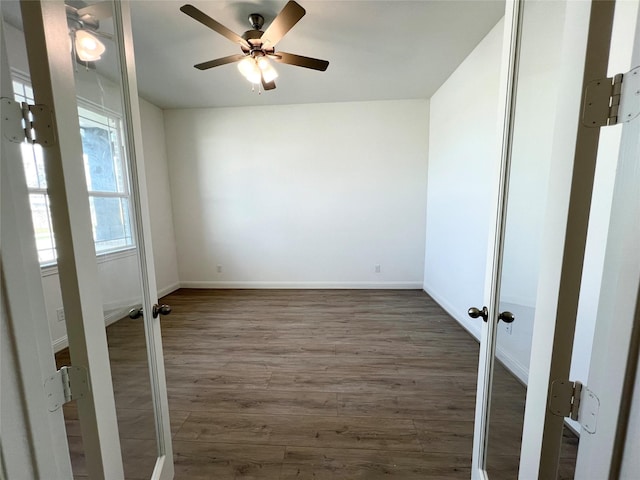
{"x":161,"y":310}
{"x":506,"y":317}
{"x":135,"y":313}
{"x":475,"y":313}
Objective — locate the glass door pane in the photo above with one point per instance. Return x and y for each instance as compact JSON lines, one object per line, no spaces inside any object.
{"x":536,"y":97}
{"x":111,"y":174}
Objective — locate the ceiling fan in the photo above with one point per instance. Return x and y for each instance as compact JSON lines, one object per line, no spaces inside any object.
{"x":259,"y":46}
{"x":84,"y":28}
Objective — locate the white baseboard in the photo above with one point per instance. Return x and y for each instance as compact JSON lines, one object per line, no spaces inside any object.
{"x":303,"y":285}
{"x":60,"y":344}
{"x":511,"y":364}
{"x":167,"y":290}
{"x":112,"y":317}
{"x":458,"y":316}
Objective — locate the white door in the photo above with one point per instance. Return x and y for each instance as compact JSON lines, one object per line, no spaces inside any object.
{"x":548,"y":160}
{"x":91,"y":177}
{"x":26,"y":353}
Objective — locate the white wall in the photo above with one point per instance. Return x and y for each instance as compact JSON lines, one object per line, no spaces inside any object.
{"x":462,"y":159}
{"x":157,"y":172}
{"x":300,"y":195}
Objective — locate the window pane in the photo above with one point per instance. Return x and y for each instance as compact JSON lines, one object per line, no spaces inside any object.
{"x":18,"y":90}
{"x":42,"y":226}
{"x":102,"y":150}
{"x":99,"y":159}
{"x":105,"y":172}
{"x":111,"y":223}
{"x":30,"y":166}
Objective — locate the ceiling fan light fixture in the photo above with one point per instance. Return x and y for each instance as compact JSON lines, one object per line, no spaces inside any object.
{"x":88,"y":47}
{"x":246,"y":65}
{"x":268,"y":72}
{"x":250,"y":70}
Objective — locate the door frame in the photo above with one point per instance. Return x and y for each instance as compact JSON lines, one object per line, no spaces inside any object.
{"x":616,"y":346}
{"x":585,"y":58}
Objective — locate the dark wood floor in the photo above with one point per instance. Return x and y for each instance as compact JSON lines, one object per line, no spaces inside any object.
{"x":311,"y":384}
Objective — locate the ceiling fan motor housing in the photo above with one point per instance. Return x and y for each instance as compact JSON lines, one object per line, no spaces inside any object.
{"x":256,"y":21}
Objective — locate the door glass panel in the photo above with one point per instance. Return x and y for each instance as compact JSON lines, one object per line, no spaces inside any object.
{"x":536,"y":97}
{"x":109,"y":180}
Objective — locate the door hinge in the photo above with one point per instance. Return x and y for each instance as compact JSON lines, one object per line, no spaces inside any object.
{"x":22,"y":121}
{"x":67,"y":384}
{"x":575,"y":401}
{"x":609,"y":101}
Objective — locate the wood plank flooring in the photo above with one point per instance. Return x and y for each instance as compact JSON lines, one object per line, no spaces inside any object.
{"x":310,"y":384}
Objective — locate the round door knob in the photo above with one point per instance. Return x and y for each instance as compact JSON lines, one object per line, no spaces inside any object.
{"x":474,"y":312}
{"x":135,"y":313}
{"x":161,"y":310}
{"x":506,"y":317}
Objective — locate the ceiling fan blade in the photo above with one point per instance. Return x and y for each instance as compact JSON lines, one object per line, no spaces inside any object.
{"x":98,"y":33}
{"x":206,"y":20}
{"x":98,"y":11}
{"x":268,"y":85}
{"x":300,"y":61}
{"x":286,"y":19}
{"x":220,"y":61}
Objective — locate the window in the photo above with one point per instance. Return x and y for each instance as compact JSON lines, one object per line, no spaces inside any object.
{"x":105,"y":170}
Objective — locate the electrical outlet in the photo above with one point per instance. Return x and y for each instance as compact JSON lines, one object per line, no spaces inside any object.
{"x":219,"y":268}
{"x":60,"y":314}
{"x":508,"y":327}
{"x":377,"y":268}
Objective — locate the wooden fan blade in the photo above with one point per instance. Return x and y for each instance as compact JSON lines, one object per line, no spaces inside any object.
{"x":206,"y":20}
{"x":286,"y":19}
{"x":220,"y":61}
{"x":98,"y":11}
{"x":300,"y":61}
{"x":98,"y":33}
{"x":268,"y":85}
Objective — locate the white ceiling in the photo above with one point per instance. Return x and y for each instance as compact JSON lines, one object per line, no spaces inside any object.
{"x":378,"y":50}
